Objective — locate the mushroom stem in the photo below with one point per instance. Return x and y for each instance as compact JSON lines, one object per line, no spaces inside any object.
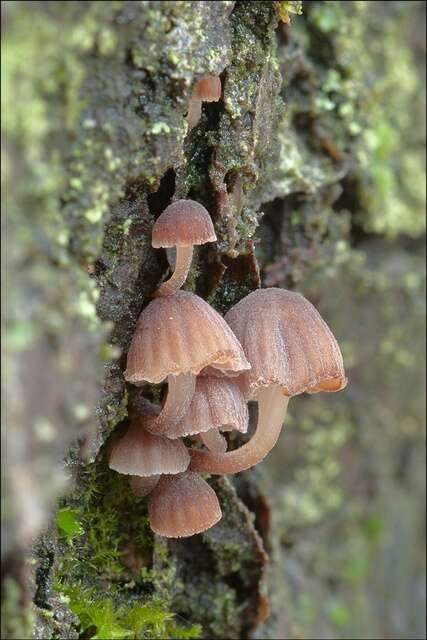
{"x":194,"y":112}
{"x":184,"y":255}
{"x":272,"y":406}
{"x":214,"y":441}
{"x":180,"y":393}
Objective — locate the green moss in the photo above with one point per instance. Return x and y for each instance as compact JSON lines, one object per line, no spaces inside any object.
{"x":100,"y":616}
{"x":103,"y":572}
{"x":133,"y":622}
{"x":68,"y":523}
{"x":123,"y":106}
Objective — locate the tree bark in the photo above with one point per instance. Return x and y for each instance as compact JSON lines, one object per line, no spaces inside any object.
{"x":111,"y":91}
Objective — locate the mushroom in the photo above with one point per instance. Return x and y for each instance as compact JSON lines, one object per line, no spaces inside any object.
{"x":213,"y":440}
{"x":291,"y":350}
{"x":138,"y":409}
{"x":183,"y":505}
{"x":175,"y":338}
{"x":182,"y":224}
{"x":143,"y":485}
{"x":217,"y":404}
{"x":206,"y":89}
{"x":139,"y":453}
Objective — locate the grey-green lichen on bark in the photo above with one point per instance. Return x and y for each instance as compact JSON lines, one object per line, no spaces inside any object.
{"x":113,"y":103}
{"x":98,"y":126}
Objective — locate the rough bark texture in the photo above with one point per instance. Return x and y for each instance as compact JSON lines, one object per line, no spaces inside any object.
{"x":99,"y":146}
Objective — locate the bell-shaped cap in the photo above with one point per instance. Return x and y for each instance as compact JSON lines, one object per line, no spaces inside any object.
{"x":218,"y":403}
{"x":287,"y":343}
{"x":207,"y":89}
{"x":183,"y":223}
{"x":181,"y":333}
{"x":139,"y":453}
{"x":183,"y":505}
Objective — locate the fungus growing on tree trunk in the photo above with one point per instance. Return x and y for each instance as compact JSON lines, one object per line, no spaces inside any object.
{"x":175,"y":338}
{"x":291,"y":350}
{"x":183,"y":505}
{"x":206,"y":89}
{"x":217,"y":405}
{"x":139,"y":453}
{"x":182,"y":224}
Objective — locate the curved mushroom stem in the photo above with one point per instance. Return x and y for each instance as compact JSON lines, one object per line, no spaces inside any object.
{"x":184,"y":255}
{"x":272,"y":406}
{"x":194,"y":113}
{"x":180,"y":393}
{"x":214,"y":441}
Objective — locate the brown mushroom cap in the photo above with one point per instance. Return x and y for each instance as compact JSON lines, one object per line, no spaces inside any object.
{"x":143,"y":485}
{"x":183,"y":505}
{"x":217,"y":403}
{"x":139,"y":453}
{"x":207,"y":89}
{"x":291,"y":350}
{"x":287,"y":343}
{"x":183,"y":223}
{"x":179,"y":334}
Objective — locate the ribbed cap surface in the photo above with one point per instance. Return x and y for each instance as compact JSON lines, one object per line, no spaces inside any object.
{"x":287,"y":343}
{"x":183,"y":505}
{"x":181,"y":333}
{"x":217,"y":404}
{"x":183,"y":223}
{"x":140,"y":453}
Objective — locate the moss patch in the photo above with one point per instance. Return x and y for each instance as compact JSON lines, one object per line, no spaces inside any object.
{"x":103,"y":569}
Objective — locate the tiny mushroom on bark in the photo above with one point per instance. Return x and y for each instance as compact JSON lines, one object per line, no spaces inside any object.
{"x":217,"y":405}
{"x":183,"y":505}
{"x":291,"y":350}
{"x":175,"y":338}
{"x":139,"y":453}
{"x":206,"y":89}
{"x":138,"y":409}
{"x":182,"y":224}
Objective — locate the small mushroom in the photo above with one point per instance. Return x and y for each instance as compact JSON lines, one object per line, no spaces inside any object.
{"x":175,"y":338}
{"x":291,"y":350}
{"x":217,"y":405}
{"x":143,"y":485}
{"x":139,"y":453}
{"x":182,"y":224}
{"x":183,"y":505}
{"x":206,"y":89}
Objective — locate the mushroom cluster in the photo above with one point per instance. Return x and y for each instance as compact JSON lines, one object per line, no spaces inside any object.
{"x":270,"y":346}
